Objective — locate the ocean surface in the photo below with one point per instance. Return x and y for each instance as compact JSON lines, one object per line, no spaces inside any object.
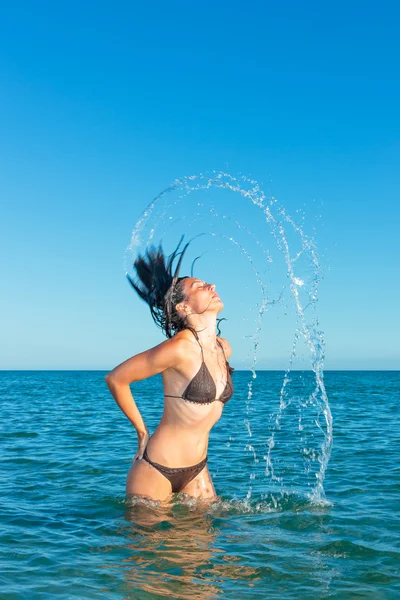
{"x":67,"y":531}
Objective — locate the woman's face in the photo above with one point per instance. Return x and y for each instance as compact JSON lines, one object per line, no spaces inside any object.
{"x":201,"y":296}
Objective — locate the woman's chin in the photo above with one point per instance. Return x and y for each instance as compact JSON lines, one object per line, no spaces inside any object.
{"x":217,"y":305}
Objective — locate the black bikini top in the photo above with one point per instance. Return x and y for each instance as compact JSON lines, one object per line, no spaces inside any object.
{"x":202,"y":389}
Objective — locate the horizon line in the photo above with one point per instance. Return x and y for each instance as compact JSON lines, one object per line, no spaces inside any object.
{"x":236,"y":369}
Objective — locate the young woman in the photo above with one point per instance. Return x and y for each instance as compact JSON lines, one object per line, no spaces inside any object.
{"x":196,"y":378}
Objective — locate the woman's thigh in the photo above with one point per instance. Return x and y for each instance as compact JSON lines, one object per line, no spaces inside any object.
{"x":201,"y":486}
{"x":145,"y":480}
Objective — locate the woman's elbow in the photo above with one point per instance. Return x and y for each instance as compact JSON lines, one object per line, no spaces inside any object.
{"x":114,"y":379}
{"x":110,"y":378}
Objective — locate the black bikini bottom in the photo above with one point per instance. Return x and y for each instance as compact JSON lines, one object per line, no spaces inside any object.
{"x":179,"y":477}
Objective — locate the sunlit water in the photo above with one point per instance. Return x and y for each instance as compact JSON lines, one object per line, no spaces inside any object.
{"x":68,"y":532}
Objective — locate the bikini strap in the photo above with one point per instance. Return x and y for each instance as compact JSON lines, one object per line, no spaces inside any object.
{"x":198,"y":340}
{"x":222,"y":349}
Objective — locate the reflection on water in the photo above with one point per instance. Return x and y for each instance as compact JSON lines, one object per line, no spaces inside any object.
{"x":190,"y":548}
{"x":175,"y":550}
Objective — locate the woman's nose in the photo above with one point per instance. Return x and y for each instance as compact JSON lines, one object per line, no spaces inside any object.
{"x":212,"y":286}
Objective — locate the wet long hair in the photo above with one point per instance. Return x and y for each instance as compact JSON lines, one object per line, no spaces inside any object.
{"x":162,"y":289}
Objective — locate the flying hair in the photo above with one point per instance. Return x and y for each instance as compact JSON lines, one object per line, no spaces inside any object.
{"x":159,"y":285}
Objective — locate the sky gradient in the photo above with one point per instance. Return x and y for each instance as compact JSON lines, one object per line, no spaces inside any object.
{"x":103,"y":105}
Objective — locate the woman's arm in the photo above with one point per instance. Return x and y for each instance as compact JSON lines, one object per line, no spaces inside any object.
{"x":123,"y":397}
{"x":141,"y":366}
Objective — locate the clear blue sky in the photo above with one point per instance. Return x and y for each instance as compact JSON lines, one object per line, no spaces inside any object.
{"x":103,"y":105}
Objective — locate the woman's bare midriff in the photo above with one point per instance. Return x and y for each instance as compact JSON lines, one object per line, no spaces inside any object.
{"x":181,"y":438}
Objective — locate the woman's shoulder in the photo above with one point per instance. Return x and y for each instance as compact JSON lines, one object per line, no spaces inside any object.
{"x":184,"y":334}
{"x":226,"y":345}
{"x":184,"y":339}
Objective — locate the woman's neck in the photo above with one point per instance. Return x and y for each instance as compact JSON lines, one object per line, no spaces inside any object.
{"x":207,"y":335}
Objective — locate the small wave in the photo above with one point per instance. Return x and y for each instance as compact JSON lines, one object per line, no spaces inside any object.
{"x":347,"y":549}
{"x":284,"y":501}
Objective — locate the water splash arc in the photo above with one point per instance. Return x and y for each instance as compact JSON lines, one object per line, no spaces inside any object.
{"x":278,"y":223}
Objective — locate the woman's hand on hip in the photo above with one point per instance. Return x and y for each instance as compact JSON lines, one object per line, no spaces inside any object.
{"x":143,"y":438}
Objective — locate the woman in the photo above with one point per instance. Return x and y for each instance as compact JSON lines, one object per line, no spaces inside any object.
{"x":196,"y":378}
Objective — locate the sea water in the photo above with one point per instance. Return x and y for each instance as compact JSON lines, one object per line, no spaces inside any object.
{"x":69,"y":532}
